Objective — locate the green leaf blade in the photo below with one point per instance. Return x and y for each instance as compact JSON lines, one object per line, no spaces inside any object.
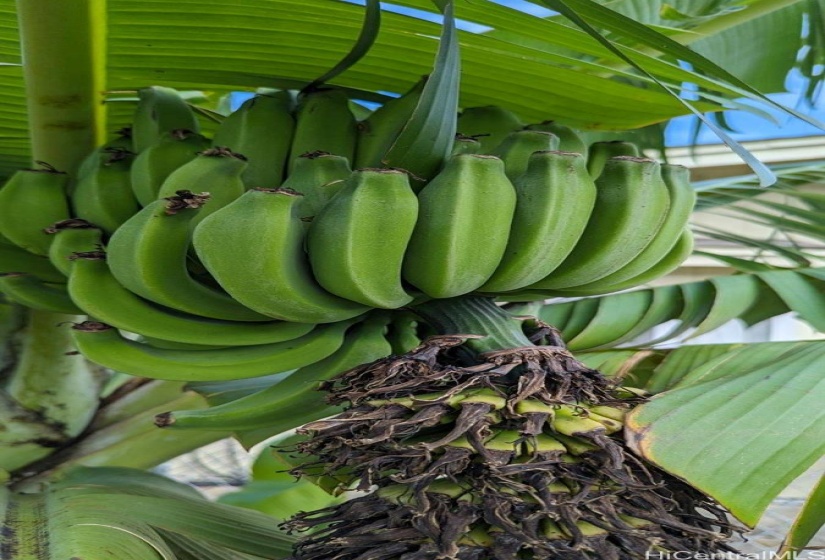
{"x":743,"y":436}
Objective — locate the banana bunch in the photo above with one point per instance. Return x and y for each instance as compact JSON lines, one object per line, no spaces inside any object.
{"x":470,"y":462}
{"x":292,"y":219}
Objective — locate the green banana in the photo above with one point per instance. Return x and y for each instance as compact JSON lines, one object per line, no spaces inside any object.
{"x":554,"y":200}
{"x":154,"y":164}
{"x":318,"y":176}
{"x":32,"y":292}
{"x":148,"y":256}
{"x":103,"y":196}
{"x":294,"y":396}
{"x":569,"y":422}
{"x":602,"y":411}
{"x":377,"y":133}
{"x":489,"y":125}
{"x":348,"y":259}
{"x":631,"y":203}
{"x":96,"y":291}
{"x":72,"y":236}
{"x":160,"y":110}
{"x":682,"y":200}
{"x":670,"y":262}
{"x":324,"y":123}
{"x":15,"y":259}
{"x":216,"y":171}
{"x":30,"y":201}
{"x":262,"y":130}
{"x":463,"y":224}
{"x":515,"y":150}
{"x":600,"y":152}
{"x":104,"y":345}
{"x":465,"y":145}
{"x":123,"y":141}
{"x":172,"y":345}
{"x":569,"y":141}
{"x":254,"y":248}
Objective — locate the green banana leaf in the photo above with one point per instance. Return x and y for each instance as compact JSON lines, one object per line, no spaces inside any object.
{"x":790,"y":177}
{"x":509,"y":58}
{"x":739,"y":421}
{"x":275,"y":492}
{"x":130,"y":515}
{"x":781,"y":226}
{"x":696,"y":21}
{"x":427,"y":137}
{"x":739,"y":424}
{"x":807,"y":524}
{"x":697,"y":307}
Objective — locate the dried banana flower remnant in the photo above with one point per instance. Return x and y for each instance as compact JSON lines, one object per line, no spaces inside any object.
{"x":518,"y":456}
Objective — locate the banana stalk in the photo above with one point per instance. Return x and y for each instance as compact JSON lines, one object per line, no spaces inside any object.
{"x":65,"y":112}
{"x":127,"y":439}
{"x":50,"y":394}
{"x":55,"y":392}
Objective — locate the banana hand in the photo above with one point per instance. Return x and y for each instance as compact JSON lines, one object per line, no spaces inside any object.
{"x":682,"y":201}
{"x":631,"y":203}
{"x":554,"y":200}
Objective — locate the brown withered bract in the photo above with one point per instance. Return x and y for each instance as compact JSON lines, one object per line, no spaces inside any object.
{"x":471,"y":462}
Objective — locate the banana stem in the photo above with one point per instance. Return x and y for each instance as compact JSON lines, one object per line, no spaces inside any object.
{"x":62,"y":45}
{"x":49,"y":379}
{"x":474,"y":315}
{"x":64,"y":69}
{"x":133,"y":442}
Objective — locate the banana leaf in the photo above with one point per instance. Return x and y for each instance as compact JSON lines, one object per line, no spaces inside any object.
{"x":538,"y":66}
{"x":695,"y":307}
{"x":130,"y":515}
{"x":739,"y":422}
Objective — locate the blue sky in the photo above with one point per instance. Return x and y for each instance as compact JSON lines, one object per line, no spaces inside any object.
{"x":748,"y":126}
